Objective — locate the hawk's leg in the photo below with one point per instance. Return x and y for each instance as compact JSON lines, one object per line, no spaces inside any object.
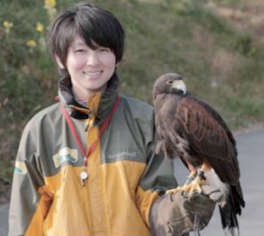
{"x":190,"y":178}
{"x":193,"y":183}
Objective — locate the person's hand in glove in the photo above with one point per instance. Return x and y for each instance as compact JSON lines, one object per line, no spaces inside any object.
{"x":174,"y":214}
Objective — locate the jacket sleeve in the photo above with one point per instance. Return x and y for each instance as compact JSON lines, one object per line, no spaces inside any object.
{"x":156,"y":179}
{"x":30,"y":200}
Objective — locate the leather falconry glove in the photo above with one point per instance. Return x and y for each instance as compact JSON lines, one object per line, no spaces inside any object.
{"x":173,"y":214}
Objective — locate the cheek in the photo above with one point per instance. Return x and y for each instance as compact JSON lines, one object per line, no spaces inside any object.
{"x":109,"y":60}
{"x":75,"y":63}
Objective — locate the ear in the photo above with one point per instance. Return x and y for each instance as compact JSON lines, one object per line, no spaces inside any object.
{"x":58,"y":60}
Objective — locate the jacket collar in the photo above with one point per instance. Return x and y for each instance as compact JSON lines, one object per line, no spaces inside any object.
{"x":98,"y":106}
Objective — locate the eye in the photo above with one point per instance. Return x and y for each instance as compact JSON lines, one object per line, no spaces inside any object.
{"x":79,"y":50}
{"x":102,"y":49}
{"x":169,"y":82}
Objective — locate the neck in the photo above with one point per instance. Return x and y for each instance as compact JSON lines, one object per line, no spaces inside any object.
{"x":83,"y":95}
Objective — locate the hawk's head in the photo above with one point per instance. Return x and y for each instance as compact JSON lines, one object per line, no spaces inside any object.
{"x":169,"y":83}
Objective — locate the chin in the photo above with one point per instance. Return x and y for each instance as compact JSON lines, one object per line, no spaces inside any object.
{"x":96,"y":89}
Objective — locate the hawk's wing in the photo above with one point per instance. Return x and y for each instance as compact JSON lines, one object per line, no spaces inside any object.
{"x":208,"y":136}
{"x":165,"y":123}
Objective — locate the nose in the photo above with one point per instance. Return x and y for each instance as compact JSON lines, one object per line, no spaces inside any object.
{"x":93,"y":58}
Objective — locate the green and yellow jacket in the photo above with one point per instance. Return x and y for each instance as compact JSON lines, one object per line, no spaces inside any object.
{"x":125,"y":176}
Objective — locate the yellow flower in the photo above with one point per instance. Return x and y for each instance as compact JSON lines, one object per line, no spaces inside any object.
{"x":39,"y":27}
{"x":49,"y":4}
{"x":31,"y":43}
{"x":8,"y":25}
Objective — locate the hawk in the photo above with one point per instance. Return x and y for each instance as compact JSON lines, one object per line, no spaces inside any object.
{"x":192,"y":130}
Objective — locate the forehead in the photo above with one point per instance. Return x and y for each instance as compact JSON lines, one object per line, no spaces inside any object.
{"x":79,"y":42}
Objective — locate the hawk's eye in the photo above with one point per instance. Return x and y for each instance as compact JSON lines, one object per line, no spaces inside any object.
{"x":169,"y":82}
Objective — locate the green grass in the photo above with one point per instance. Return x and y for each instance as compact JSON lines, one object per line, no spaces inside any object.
{"x":222,"y":64}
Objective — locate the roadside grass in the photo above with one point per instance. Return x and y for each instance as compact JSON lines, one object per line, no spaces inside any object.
{"x":222,"y":64}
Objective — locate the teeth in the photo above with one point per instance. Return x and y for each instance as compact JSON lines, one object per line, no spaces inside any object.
{"x":92,"y":73}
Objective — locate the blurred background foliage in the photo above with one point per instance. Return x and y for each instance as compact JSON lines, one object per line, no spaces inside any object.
{"x":216,"y":45}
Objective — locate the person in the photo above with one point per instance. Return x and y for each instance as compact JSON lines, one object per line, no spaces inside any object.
{"x":86,"y":165}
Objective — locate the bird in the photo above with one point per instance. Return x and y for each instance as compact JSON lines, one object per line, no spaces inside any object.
{"x":191,"y":129}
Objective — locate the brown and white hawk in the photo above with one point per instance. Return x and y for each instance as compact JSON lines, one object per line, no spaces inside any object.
{"x":192,"y":130}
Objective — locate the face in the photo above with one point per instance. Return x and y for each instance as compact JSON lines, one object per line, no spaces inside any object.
{"x":90,"y":70}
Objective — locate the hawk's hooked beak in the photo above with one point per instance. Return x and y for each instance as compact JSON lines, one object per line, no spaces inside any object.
{"x":180,"y":85}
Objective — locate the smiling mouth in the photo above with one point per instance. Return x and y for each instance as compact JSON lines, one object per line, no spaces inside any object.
{"x":92,"y":73}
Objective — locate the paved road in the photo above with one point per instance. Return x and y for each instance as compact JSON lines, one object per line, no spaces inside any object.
{"x":4,"y":219}
{"x":251,"y":156}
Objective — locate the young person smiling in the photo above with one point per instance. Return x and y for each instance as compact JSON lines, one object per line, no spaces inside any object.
{"x":90,"y":68}
{"x":86,"y":165}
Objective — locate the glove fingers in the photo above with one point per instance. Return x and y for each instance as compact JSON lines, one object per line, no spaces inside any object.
{"x":199,"y":204}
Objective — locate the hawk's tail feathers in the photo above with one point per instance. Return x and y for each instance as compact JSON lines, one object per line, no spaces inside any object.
{"x":230,"y":211}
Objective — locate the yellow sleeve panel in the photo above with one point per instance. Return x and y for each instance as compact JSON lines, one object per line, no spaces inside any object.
{"x":145,"y":200}
{"x":36,"y":224}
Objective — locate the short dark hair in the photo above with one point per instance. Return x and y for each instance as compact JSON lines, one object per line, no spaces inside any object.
{"x":96,"y":26}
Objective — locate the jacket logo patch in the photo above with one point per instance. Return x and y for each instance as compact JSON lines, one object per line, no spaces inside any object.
{"x":20,"y":167}
{"x":65,"y":155}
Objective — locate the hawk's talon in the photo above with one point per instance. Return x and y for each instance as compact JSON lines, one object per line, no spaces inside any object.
{"x":188,"y":189}
{"x":201,"y":175}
